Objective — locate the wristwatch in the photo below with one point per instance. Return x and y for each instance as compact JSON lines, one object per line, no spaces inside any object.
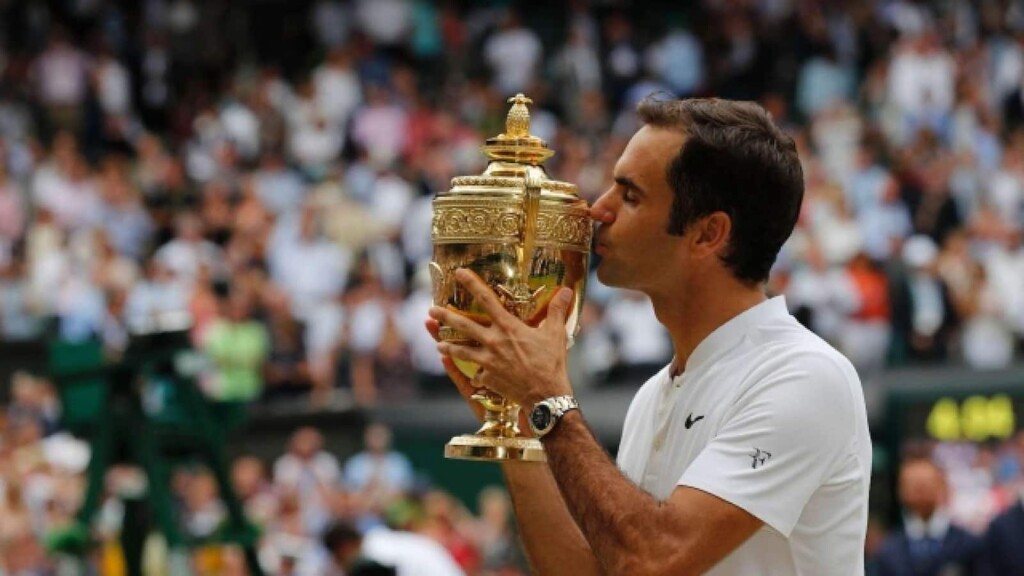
{"x":548,"y":412}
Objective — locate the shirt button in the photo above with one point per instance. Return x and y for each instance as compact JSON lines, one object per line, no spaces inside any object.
{"x":658,"y":443}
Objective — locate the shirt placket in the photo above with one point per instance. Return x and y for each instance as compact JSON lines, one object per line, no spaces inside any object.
{"x":653,"y":471}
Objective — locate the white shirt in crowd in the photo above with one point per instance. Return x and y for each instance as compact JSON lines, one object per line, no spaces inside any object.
{"x":385,"y":21}
{"x":922,"y":82}
{"x":514,"y":55}
{"x":113,"y":87}
{"x":409,"y":553}
{"x":186,"y":258}
{"x":62,"y":75}
{"x":338,"y":92}
{"x":769,"y":417}
{"x":639,"y":337}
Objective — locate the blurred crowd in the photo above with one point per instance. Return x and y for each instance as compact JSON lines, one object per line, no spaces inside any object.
{"x":269,"y":169}
{"x":317,"y":514}
{"x":962,"y":512}
{"x":264,"y":170}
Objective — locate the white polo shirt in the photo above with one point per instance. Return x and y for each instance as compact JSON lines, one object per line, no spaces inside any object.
{"x":771,"y":418}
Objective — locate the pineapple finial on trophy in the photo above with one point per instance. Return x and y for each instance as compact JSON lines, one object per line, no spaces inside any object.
{"x":516,"y":144}
{"x":517,"y":124}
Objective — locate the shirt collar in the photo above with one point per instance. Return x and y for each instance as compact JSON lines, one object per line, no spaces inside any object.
{"x":728,"y":335}
{"x":935,"y":528}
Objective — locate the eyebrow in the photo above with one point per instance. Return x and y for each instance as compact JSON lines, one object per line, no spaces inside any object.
{"x":628,"y":182}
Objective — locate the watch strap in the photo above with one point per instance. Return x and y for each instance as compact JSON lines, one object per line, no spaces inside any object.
{"x":561,"y":404}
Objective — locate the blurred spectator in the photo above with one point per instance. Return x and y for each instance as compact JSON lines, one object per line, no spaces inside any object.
{"x":513,"y":53}
{"x":254,"y":490}
{"x":12,"y":214}
{"x":678,"y":60}
{"x":923,"y":315}
{"x":309,"y":475}
{"x":237,"y":347}
{"x":61,"y":81}
{"x":378,"y":355}
{"x":378,"y":474}
{"x":866,"y":331}
{"x":431,"y":378}
{"x":641,"y":343}
{"x":188,"y":253}
{"x":1004,"y":542}
{"x":408,"y":554}
{"x":928,"y":544}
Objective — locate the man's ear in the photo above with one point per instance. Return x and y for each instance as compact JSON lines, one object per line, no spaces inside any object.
{"x":712,"y":233}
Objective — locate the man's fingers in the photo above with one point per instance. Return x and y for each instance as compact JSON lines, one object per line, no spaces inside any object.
{"x":466,"y":327}
{"x":483,"y":295}
{"x":473,"y":354}
{"x":559,"y":309}
{"x":433,"y":327}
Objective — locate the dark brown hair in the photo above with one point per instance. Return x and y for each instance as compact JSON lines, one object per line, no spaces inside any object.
{"x":737,"y":161}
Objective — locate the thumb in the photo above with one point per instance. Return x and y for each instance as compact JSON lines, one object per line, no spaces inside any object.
{"x":558,"y":309}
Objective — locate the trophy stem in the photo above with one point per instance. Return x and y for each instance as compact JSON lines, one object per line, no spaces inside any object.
{"x":498,"y":438}
{"x":501,"y":417}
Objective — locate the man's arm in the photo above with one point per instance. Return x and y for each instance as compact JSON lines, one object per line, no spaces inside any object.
{"x":629,"y":531}
{"x":549,"y":534}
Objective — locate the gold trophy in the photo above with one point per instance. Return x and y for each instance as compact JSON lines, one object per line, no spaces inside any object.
{"x":526,"y":235}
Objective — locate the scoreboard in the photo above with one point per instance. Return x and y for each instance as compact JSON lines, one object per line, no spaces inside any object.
{"x":951,"y":405}
{"x":954,"y":417}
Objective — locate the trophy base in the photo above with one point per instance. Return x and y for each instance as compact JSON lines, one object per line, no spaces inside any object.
{"x":485,"y":448}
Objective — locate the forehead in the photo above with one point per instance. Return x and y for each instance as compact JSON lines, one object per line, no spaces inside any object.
{"x":647,"y":155}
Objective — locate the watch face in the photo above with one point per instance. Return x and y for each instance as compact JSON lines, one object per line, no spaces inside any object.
{"x":541,"y":417}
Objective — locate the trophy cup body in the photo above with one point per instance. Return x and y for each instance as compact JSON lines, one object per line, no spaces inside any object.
{"x":525,"y":235}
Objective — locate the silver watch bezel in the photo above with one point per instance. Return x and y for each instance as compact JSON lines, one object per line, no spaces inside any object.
{"x":556,"y":406}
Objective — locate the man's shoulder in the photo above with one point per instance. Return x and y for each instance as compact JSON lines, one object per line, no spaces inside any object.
{"x":794,"y":345}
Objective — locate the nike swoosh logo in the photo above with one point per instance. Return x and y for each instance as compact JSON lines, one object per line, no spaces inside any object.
{"x":690,"y":420}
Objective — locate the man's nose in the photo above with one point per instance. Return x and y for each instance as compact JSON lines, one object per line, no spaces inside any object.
{"x":600,"y":211}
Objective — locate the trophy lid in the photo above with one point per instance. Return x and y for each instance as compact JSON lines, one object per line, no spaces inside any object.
{"x":516,"y":144}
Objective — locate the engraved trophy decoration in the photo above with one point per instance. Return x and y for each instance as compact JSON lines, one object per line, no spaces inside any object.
{"x":525,"y":235}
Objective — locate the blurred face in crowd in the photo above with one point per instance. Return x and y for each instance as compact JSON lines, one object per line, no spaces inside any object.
{"x":378,"y":438}
{"x":239,"y":307}
{"x":306,"y":442}
{"x":922,"y":488}
{"x":247,"y":476}
{"x":190,"y":228}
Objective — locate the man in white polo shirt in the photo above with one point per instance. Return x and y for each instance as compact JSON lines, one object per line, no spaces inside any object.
{"x":749,"y":454}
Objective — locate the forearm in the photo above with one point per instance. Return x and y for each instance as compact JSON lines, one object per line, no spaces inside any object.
{"x":550,"y":536}
{"x":620,"y":521}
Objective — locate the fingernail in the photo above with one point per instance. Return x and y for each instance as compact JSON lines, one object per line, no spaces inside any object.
{"x":461,"y":273}
{"x":565,"y":296}
{"x":434,"y":313}
{"x":442,"y":347}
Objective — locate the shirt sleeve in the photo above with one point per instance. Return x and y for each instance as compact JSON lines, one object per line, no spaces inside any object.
{"x":782,"y":439}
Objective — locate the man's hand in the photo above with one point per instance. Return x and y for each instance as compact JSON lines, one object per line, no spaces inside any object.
{"x":522,"y":363}
{"x":462,"y":382}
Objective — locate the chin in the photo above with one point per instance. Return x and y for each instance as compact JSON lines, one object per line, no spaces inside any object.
{"x":609,"y":277}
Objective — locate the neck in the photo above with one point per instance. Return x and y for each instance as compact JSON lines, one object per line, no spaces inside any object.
{"x":690,"y":318}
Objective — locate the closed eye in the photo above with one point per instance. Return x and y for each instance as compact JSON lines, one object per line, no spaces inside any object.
{"x":631,"y":193}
